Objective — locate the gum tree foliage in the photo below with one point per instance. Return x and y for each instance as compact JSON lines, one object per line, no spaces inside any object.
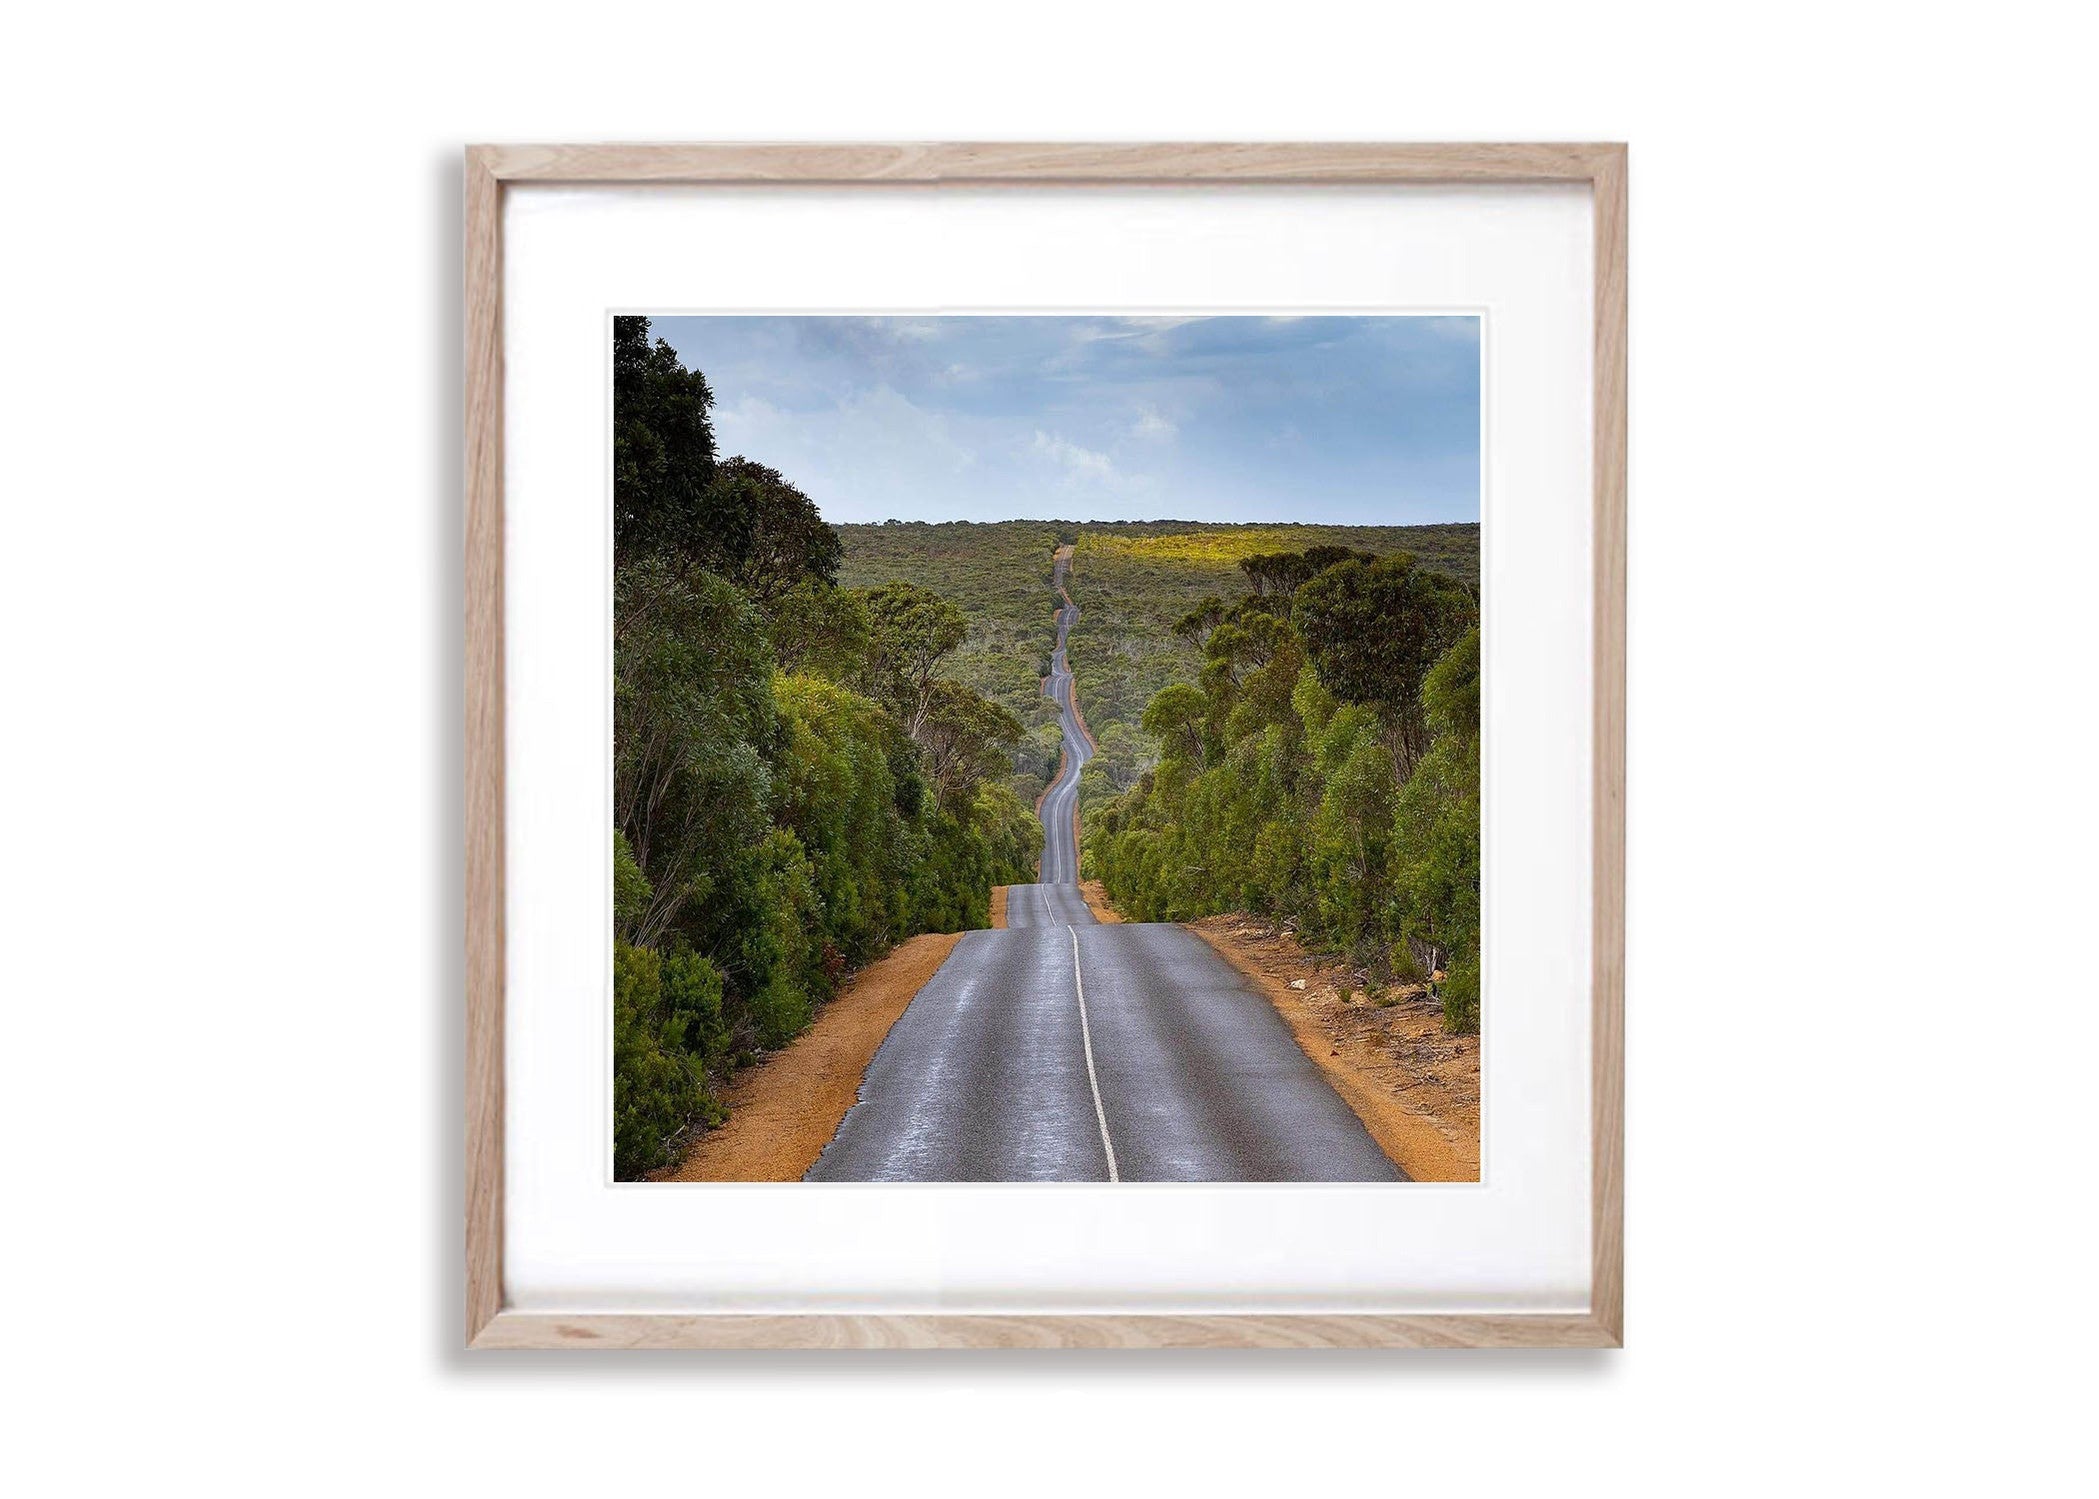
{"x":1138,"y":580}
{"x":662,"y":446}
{"x":1280,"y":574}
{"x":787,"y":546}
{"x":739,"y":519}
{"x":1175,"y":719}
{"x":1282,"y":785}
{"x":693,"y":724}
{"x":819,"y":629}
{"x":1198,"y":622}
{"x":966,"y":739}
{"x":998,"y":574}
{"x":911,"y":630}
{"x":775,"y":821}
{"x":1373,"y":630}
{"x":1435,"y":900}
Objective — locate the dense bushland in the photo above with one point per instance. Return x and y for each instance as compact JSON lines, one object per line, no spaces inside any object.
{"x":1134,"y":582}
{"x":1321,"y":767}
{"x":998,"y":574}
{"x":799,"y":782}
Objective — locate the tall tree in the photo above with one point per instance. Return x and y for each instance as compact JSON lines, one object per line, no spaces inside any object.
{"x":911,"y":630}
{"x":1373,"y":630}
{"x":966,"y":738}
{"x":780,"y":539}
{"x":1174,"y":717}
{"x":1280,"y":574}
{"x":1435,"y":900}
{"x":1198,"y":622}
{"x":662,"y":446}
{"x":692,"y":712}
{"x":818,"y":629}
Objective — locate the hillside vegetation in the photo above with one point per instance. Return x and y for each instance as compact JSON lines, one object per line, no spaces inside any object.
{"x":1132,"y":579}
{"x":1134,"y":582}
{"x":997,"y":573}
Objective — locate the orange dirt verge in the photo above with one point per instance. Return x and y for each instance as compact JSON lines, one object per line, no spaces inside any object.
{"x":784,"y":1110}
{"x":998,"y":907}
{"x":1080,"y":714}
{"x":1415,"y":1087}
{"x":1097,"y":902}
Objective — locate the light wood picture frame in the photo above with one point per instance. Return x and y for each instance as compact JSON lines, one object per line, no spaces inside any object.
{"x":490,"y":171}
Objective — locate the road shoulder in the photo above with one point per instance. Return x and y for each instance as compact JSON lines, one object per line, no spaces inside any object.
{"x":1097,"y":902}
{"x":784,"y":1110}
{"x":1415,"y":1087}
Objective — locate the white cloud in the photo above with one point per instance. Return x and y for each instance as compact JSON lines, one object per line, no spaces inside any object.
{"x":1081,"y":463}
{"x":870,"y":454}
{"x":1147,"y":331}
{"x":1086,"y":471}
{"x":1154,"y":427}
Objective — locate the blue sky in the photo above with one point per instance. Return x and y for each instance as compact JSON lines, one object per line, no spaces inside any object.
{"x":1355,"y":420}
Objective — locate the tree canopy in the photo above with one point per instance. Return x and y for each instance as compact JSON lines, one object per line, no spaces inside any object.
{"x":1280,"y":574}
{"x":911,"y":630}
{"x":1175,"y":719}
{"x":1373,"y":629}
{"x":662,"y":446}
{"x":785,"y":543}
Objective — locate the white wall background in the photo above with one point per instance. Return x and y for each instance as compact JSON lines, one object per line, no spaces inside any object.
{"x":1862,"y":993}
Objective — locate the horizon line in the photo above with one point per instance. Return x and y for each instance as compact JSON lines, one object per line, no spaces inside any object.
{"x":1169,"y":520}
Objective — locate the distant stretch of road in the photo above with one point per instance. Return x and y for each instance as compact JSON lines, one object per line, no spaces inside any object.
{"x":1064,"y":1049}
{"x":1056,"y":899}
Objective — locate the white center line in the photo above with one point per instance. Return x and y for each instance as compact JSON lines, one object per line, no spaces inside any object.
{"x":1086,"y":1036}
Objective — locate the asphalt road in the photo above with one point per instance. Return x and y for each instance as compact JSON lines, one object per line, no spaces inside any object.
{"x":1063,"y":1049}
{"x":1056,"y":901}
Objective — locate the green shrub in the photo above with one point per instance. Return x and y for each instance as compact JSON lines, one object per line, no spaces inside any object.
{"x":1461,"y":995}
{"x":659,"y":1080}
{"x":630,"y":888}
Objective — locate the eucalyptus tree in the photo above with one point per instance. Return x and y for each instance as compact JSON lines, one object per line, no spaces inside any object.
{"x":1373,"y":630}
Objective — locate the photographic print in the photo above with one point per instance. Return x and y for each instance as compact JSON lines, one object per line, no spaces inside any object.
{"x":1046,"y":748}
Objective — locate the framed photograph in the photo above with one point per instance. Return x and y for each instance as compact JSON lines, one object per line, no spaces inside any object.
{"x":1045,"y":746}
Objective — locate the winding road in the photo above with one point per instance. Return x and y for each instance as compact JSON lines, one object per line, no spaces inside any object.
{"x":1056,"y":901}
{"x":1065,"y":1049}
